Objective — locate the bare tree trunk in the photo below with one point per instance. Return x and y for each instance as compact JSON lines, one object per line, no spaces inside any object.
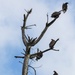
{"x":25,"y":65}
{"x":25,"y":62}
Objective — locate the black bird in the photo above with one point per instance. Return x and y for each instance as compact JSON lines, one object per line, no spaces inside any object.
{"x":39,"y":55}
{"x":64,"y":7}
{"x":55,"y":73}
{"x":55,"y":14}
{"x":52,"y":43}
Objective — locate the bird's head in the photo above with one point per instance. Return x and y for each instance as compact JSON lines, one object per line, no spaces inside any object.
{"x":66,"y":3}
{"x":52,"y":39}
{"x":54,"y":71}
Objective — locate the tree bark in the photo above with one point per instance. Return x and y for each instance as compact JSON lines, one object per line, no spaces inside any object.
{"x":26,"y":60}
{"x":25,"y":65}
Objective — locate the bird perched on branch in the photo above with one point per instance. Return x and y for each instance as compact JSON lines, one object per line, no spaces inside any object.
{"x":39,"y":55}
{"x":64,"y":7}
{"x":55,"y":73}
{"x":55,"y":14}
{"x":52,"y":43}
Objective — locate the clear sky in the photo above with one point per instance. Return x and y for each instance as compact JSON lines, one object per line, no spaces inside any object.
{"x":11,"y":20}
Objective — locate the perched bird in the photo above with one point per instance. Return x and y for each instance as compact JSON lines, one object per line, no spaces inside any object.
{"x":64,"y":7}
{"x":55,"y":14}
{"x":55,"y":73}
{"x":39,"y":55}
{"x":52,"y":43}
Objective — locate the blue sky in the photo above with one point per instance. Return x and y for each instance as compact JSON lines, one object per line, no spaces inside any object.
{"x":11,"y":20}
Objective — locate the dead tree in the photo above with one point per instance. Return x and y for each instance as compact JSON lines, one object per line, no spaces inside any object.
{"x":30,"y":42}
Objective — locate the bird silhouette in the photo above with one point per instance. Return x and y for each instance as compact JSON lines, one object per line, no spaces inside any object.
{"x":52,"y":43}
{"x":55,"y":14}
{"x":55,"y":73}
{"x":64,"y":7}
{"x":39,"y":55}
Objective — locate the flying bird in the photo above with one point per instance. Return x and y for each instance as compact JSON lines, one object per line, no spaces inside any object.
{"x":55,"y":14}
{"x":55,"y":73}
{"x":64,"y":7}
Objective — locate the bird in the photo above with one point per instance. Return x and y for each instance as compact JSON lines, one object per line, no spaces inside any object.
{"x":55,"y":73}
{"x":39,"y":55}
{"x":64,"y":7}
{"x":52,"y":43}
{"x":55,"y":14}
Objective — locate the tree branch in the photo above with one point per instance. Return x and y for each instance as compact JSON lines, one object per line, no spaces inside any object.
{"x":19,"y":56}
{"x":35,"y":54}
{"x":33,"y":69}
{"x":48,"y":50}
{"x":50,"y":23}
{"x":43,"y":32}
{"x":23,"y":27}
{"x":25,"y":17}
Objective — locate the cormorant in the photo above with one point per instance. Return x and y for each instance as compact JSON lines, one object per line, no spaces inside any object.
{"x":55,"y":73}
{"x":64,"y":7}
{"x":55,"y":14}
